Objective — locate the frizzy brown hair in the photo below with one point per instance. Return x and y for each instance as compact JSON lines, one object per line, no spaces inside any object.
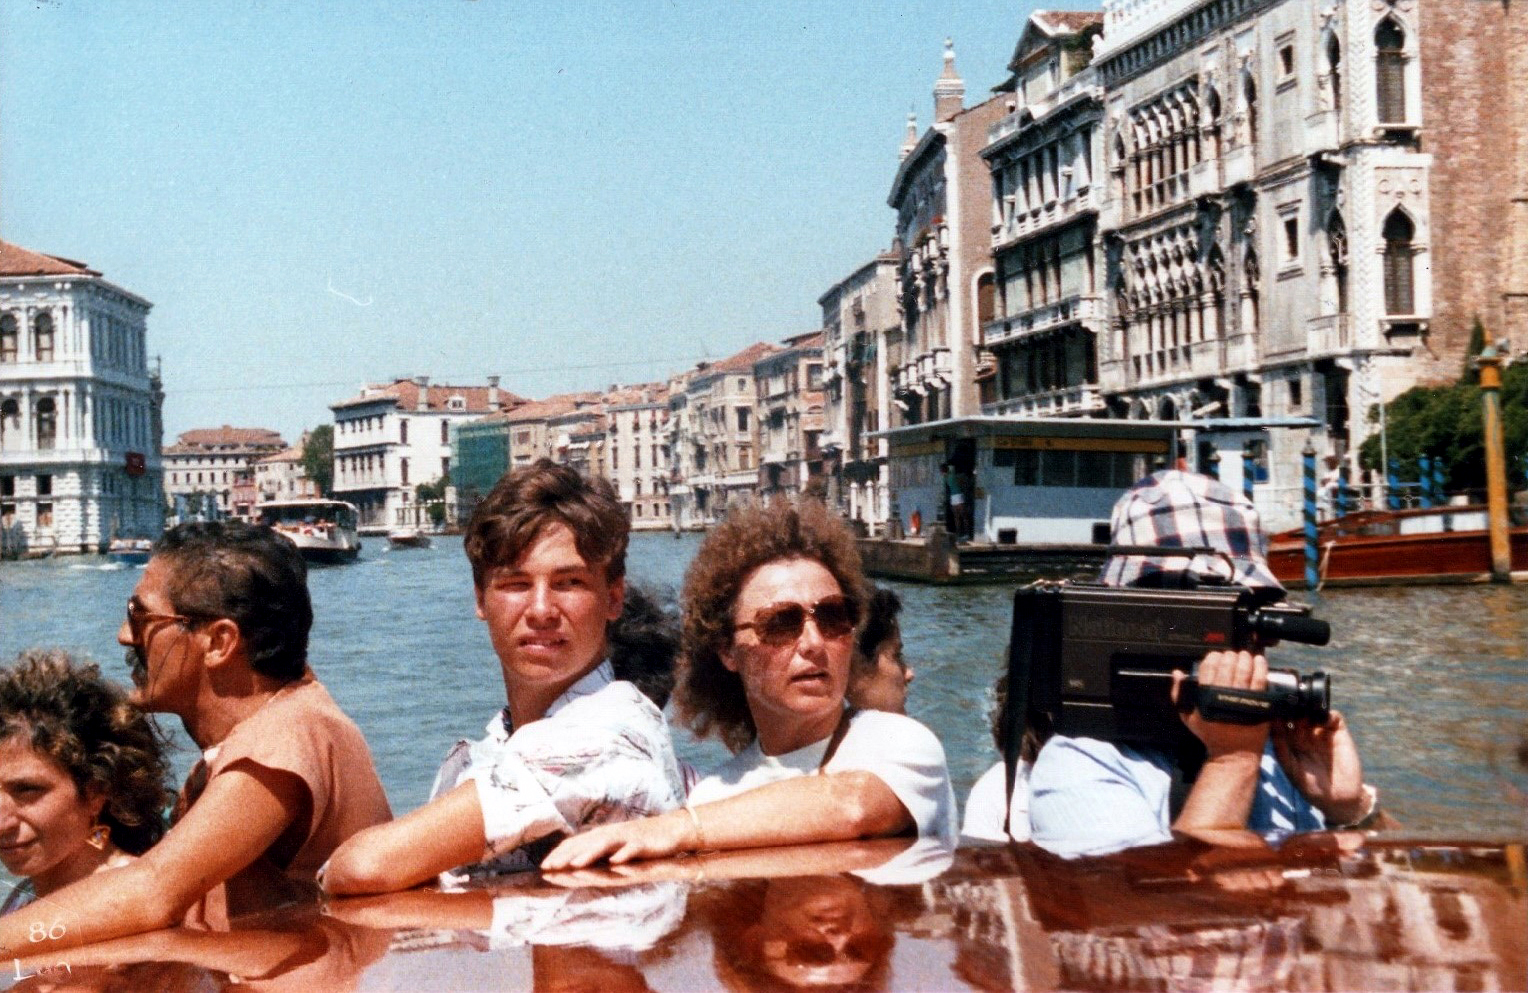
{"x":709,"y":697}
{"x":524,"y":501}
{"x":66,"y":711}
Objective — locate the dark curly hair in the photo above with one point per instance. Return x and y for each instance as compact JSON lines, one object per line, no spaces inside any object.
{"x":526,"y":500}
{"x":644,"y":641}
{"x":67,"y":711}
{"x":709,"y":697}
{"x":251,"y":575}
{"x":880,"y":624}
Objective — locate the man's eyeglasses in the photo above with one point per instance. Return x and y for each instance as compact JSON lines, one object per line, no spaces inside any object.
{"x":140,"y":617}
{"x":783,"y":623}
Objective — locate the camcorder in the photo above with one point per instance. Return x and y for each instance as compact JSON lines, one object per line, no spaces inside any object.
{"x":1095,"y":661}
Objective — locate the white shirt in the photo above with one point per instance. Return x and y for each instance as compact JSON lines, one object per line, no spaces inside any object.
{"x":602,"y":753}
{"x":984,"y":806}
{"x":897,"y":750}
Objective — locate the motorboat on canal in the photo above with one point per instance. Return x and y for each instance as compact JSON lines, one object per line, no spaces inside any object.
{"x":1329,"y":911}
{"x":408,"y":538}
{"x":129,"y":551}
{"x":324,"y":531}
{"x":1422,"y":545}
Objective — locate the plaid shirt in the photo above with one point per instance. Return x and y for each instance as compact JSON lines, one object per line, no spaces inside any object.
{"x":1175,"y":509}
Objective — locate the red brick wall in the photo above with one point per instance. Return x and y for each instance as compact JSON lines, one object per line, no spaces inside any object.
{"x":1474,"y":57}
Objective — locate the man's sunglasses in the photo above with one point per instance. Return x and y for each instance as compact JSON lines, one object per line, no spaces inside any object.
{"x":140,"y":617}
{"x":783,"y":623}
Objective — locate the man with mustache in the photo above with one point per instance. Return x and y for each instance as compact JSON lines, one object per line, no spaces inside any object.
{"x":217,"y":634}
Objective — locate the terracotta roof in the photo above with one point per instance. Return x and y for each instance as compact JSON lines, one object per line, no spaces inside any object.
{"x":405,"y":394}
{"x":743,"y":360}
{"x":18,"y":261}
{"x":225,"y":437}
{"x":289,"y":455}
{"x":1069,"y":20}
{"x":644,"y":393}
{"x":555,"y":406}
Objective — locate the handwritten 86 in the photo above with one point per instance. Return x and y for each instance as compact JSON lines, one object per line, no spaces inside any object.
{"x":42,"y":932}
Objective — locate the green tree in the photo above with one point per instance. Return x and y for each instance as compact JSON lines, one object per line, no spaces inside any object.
{"x":433,"y":496}
{"x":318,"y":458}
{"x":1446,"y":422}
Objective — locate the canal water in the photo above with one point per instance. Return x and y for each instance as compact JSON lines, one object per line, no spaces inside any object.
{"x":1434,"y":680}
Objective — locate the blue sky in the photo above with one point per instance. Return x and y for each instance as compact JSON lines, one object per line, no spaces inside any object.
{"x":569,"y":195}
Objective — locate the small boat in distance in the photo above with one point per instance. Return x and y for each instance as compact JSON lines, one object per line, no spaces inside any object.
{"x":1423,"y":545}
{"x":129,"y":551}
{"x":408,"y":538}
{"x":324,"y":531}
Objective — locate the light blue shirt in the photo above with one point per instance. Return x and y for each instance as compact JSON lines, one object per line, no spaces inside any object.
{"x":1091,"y":797}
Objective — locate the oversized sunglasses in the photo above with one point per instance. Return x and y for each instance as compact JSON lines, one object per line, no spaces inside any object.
{"x":140,"y":617}
{"x":782,"y":623}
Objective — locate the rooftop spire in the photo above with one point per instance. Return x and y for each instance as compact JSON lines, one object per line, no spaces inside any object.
{"x":911,"y":141}
{"x":950,"y":89}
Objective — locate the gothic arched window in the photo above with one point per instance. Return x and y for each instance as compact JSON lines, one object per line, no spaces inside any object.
{"x":1400,"y":291}
{"x":1390,"y":71}
{"x":7,"y":338}
{"x":1337,"y":247}
{"x":1334,"y":67}
{"x":1249,"y":97}
{"x":10,"y":418}
{"x":42,"y":338}
{"x":47,"y":423}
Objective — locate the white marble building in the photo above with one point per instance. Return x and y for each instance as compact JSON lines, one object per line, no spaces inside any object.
{"x":80,"y":408}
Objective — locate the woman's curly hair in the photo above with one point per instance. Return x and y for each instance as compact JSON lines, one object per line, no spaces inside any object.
{"x":67,"y":711}
{"x":709,"y":698}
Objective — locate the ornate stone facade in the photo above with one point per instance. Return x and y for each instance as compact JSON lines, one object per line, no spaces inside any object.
{"x":80,"y":409}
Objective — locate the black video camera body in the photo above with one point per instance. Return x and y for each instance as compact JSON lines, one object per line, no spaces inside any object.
{"x":1096,"y":661}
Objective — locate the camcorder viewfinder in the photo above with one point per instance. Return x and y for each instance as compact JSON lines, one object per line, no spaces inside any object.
{"x":1095,"y":661}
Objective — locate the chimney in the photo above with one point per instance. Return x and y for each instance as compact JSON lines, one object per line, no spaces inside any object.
{"x":493,"y":392}
{"x":949,"y":89}
{"x":423,"y":382}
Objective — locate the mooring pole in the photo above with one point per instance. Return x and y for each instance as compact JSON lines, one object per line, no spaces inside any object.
{"x":1496,"y":464}
{"x":1312,"y":563}
{"x":1248,"y":468}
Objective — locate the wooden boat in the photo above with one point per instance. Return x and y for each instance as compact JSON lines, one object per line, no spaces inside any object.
{"x":408,"y":538}
{"x":1418,"y":546}
{"x":324,"y":531}
{"x":1317,"y":912}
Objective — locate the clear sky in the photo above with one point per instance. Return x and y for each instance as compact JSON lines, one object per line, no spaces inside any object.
{"x":570,"y":194}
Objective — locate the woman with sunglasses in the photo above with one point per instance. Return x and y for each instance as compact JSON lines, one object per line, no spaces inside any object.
{"x":771,"y":606}
{"x":82,"y":777}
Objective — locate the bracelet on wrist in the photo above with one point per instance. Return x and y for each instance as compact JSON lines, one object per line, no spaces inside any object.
{"x":700,"y":834}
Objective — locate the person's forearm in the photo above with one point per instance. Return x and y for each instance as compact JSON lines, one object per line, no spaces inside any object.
{"x":838,"y":807}
{"x":109,"y":904}
{"x":443,"y":834}
{"x":1222,"y":795}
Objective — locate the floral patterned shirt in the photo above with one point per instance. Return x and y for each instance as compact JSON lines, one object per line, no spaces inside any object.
{"x":602,"y":753}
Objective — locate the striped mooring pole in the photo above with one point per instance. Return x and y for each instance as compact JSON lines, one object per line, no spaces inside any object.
{"x":1312,"y":563}
{"x":1249,"y":469}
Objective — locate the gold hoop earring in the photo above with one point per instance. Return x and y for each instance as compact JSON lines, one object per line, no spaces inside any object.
{"x":99,"y":836}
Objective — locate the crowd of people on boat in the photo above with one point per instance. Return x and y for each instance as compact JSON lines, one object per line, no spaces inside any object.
{"x":783,"y":652}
